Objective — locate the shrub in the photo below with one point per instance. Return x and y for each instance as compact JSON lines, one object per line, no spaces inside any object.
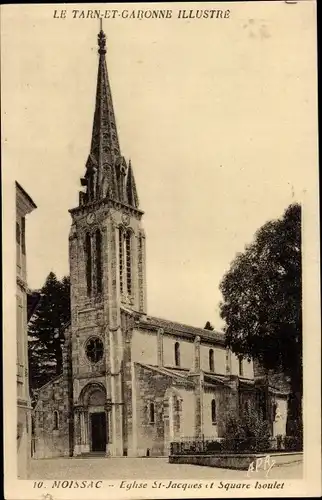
{"x":249,"y":432}
{"x":279,"y":442}
{"x":293,"y":443}
{"x":213,"y":446}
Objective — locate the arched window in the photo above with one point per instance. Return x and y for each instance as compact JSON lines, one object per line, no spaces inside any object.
{"x":121,"y":258}
{"x":240,"y":366}
{"x":177,"y":415}
{"x":128,"y":262}
{"x":99,"y":277}
{"x":88,"y":257}
{"x":152,"y":413}
{"x":177,"y":354}
{"x":56,"y":420}
{"x":177,"y":404}
{"x":211,"y":360}
{"x":213,"y":412}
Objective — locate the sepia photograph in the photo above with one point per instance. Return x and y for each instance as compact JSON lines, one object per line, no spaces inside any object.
{"x":161,"y":164}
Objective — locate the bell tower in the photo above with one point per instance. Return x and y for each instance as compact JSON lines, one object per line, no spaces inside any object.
{"x":107,"y":271}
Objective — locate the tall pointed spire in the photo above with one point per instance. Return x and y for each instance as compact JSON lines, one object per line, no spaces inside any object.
{"x":107,"y":174}
{"x":105,"y":145}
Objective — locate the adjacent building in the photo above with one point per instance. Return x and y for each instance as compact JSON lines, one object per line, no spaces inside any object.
{"x":24,"y":206}
{"x":132,"y":383}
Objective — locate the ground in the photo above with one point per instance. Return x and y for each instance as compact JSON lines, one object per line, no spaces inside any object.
{"x":145,"y":468}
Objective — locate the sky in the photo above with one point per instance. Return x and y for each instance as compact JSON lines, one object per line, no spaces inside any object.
{"x":218,"y":117}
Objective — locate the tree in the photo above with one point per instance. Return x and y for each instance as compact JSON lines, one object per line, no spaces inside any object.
{"x":208,"y":326}
{"x":262,"y":301}
{"x":46,"y":331}
{"x":247,"y":432}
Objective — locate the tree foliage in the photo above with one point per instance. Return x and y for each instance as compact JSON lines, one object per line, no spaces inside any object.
{"x":208,"y":326}
{"x":262,"y":299}
{"x":247,"y":432}
{"x":46,"y":331}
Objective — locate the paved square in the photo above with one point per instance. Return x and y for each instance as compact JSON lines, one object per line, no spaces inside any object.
{"x":145,"y":468}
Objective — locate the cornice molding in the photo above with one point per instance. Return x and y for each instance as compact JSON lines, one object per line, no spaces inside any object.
{"x":108,"y":202}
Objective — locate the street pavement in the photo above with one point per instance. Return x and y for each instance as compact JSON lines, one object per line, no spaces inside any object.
{"x":146,"y":468}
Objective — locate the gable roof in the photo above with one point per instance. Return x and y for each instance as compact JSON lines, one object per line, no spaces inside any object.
{"x":31,"y":204}
{"x":163,"y":371}
{"x":181,"y":329}
{"x":33,"y":302}
{"x":212,"y":379}
{"x":52,"y":381}
{"x":182,"y":377}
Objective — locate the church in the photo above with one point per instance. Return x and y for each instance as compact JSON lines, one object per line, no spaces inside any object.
{"x":133,"y":383}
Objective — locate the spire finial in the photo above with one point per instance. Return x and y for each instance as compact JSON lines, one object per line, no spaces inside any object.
{"x":101,"y":40}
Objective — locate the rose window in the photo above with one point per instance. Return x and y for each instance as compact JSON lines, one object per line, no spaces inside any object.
{"x":94,"y":349}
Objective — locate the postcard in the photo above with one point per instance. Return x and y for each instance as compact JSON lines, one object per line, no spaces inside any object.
{"x":161,"y":279}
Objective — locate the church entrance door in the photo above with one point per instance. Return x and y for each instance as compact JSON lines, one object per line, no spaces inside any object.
{"x":98,"y":431}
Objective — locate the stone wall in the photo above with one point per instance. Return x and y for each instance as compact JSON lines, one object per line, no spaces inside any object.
{"x":129,"y":414}
{"x":155,"y":387}
{"x":51,"y":440}
{"x":238,"y":461}
{"x":151,"y":388}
